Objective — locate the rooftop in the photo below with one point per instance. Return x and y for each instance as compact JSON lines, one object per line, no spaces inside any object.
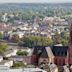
{"x":6,"y":69}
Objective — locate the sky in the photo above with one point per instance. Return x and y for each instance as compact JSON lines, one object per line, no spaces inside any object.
{"x":35,"y":1}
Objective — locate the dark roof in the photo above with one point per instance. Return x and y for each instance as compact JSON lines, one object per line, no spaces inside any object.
{"x":40,"y":51}
{"x":43,"y":52}
{"x":60,"y":50}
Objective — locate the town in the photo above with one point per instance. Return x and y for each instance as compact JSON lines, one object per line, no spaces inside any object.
{"x":35,"y":43}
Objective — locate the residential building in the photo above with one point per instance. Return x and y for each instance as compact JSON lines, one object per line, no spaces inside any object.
{"x":8,"y":63}
{"x":7,"y":69}
{"x":1,"y":58}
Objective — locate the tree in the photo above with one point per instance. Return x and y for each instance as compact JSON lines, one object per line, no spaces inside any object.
{"x":46,"y":41}
{"x":61,"y":38}
{"x":18,"y":64}
{"x":32,"y":41}
{"x":22,"y":53}
{"x":65,"y":38}
{"x":1,"y":35}
{"x":57,"y":38}
{"x":3,"y":47}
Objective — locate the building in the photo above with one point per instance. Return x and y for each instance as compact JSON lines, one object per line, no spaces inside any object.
{"x":7,"y":69}
{"x":1,"y":58}
{"x":55,"y":54}
{"x":8,"y":63}
{"x":24,"y":59}
{"x":70,"y":43}
{"x":60,"y":55}
{"x":10,"y":51}
{"x":41,"y":54}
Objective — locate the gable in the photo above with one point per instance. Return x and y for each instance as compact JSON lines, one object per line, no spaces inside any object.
{"x":44,"y":54}
{"x":38,"y":50}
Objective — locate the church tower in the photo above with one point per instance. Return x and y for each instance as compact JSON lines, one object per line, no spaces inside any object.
{"x":70,"y":43}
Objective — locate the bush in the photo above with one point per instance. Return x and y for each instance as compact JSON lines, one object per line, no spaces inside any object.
{"x":3,"y":47}
{"x":22,"y":53}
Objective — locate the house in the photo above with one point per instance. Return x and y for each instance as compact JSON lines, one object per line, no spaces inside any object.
{"x":10,"y":51}
{"x":26,"y":59}
{"x":34,"y":70}
{"x":18,"y":33}
{"x":1,"y":58}
{"x":7,"y":69}
{"x":4,"y":68}
{"x":8,"y":63}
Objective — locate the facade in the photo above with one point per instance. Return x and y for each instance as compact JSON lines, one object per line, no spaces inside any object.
{"x":56,"y":54}
{"x":70,"y":43}
{"x":61,"y":55}
{"x":25,"y":59}
{"x":42,"y":54}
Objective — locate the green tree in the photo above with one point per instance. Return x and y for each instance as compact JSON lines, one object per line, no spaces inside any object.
{"x":18,"y":64}
{"x":22,"y":53}
{"x":3,"y":47}
{"x":57,"y":38}
{"x":32,"y":41}
{"x":65,"y":38}
{"x":1,"y":35}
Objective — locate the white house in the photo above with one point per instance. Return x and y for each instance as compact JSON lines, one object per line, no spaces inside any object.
{"x":10,"y":52}
{"x":19,"y":33}
{"x":8,"y":63}
{"x":7,"y":69}
{"x":1,"y":58}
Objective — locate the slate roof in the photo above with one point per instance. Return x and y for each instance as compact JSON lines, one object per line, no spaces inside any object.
{"x":38,"y":50}
{"x":60,"y":50}
{"x":43,"y":52}
{"x":47,"y":53}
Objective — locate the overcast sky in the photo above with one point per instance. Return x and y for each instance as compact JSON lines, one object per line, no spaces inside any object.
{"x":35,"y":1}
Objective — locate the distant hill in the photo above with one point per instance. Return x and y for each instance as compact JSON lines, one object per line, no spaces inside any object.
{"x":37,"y":6}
